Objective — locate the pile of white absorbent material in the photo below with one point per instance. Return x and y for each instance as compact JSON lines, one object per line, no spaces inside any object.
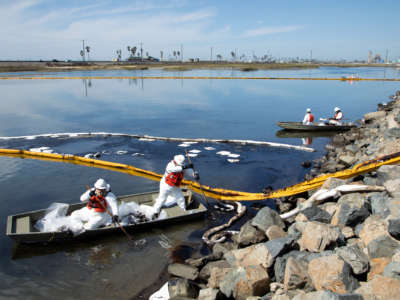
{"x":56,"y":218}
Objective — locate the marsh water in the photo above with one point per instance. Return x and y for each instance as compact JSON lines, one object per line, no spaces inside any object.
{"x":110,"y":267}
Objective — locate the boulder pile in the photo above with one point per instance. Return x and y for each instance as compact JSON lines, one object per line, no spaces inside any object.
{"x":345,"y":247}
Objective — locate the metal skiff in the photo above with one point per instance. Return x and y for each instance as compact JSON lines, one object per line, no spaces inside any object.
{"x":20,"y":227}
{"x":299,"y":126}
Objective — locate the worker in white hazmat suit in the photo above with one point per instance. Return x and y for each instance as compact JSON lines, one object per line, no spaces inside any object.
{"x":337,"y":118}
{"x":100,"y":200}
{"x":170,"y":182}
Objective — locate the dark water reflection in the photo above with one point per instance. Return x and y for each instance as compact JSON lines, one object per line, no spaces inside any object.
{"x":218,"y":109}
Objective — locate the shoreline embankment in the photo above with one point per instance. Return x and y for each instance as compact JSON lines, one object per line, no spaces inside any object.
{"x":342,"y":240}
{"x":59,"y":66}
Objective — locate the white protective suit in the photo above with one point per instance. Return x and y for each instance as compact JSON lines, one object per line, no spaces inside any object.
{"x":92,"y":218}
{"x":172,"y":193}
{"x":307,"y":119}
{"x":337,"y":118}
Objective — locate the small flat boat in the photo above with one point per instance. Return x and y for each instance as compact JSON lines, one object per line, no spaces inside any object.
{"x":21,"y":227}
{"x":299,"y":126}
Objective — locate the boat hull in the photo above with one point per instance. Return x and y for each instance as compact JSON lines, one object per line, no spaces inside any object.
{"x":20,"y":227}
{"x":298,"y":126}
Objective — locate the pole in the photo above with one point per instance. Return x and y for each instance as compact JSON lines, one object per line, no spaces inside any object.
{"x":83,"y":49}
{"x":202,"y":192}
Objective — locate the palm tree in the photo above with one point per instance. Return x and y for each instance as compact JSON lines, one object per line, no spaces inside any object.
{"x":133,"y":50}
{"x":219,"y":57}
{"x":233,"y":55}
{"x":83,"y":55}
{"x":174,"y":54}
{"x":161,"y":54}
{"x":87,"y":50}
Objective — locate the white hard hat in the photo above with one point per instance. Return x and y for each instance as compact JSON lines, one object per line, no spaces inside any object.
{"x":308,"y":110}
{"x":101,"y":184}
{"x":337,"y":108}
{"x":179,"y":159}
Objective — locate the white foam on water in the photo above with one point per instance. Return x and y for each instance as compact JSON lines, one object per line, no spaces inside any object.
{"x":146,"y":139}
{"x":194,"y":151}
{"x":232,"y":155}
{"x":184,"y":145}
{"x":73,"y":134}
{"x":89,"y":155}
{"x":30,"y":137}
{"x":137,"y":154}
{"x":225,"y":153}
{"x":42,"y":149}
{"x":121,"y":152}
{"x":190,"y":143}
{"x":209,"y":148}
{"x":192,"y":154}
{"x":232,"y":160}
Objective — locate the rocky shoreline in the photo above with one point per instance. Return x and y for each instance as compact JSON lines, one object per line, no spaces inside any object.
{"x":346,"y":245}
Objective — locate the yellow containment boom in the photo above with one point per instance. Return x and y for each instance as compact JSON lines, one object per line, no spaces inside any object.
{"x":216,"y":193}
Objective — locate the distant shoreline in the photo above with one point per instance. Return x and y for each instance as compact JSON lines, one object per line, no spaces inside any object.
{"x":51,"y":66}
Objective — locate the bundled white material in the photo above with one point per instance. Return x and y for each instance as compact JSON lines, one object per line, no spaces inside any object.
{"x":192,"y":154}
{"x":161,"y":294}
{"x":121,"y":152}
{"x":56,"y":220}
{"x":126,"y":208}
{"x":149,"y":212}
{"x":233,"y":160}
{"x":184,"y":145}
{"x":42,"y":149}
{"x":209,"y":148}
{"x":232,"y":155}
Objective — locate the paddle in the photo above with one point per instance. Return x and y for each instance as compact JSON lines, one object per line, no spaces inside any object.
{"x":202,"y":192}
{"x":120,"y":226}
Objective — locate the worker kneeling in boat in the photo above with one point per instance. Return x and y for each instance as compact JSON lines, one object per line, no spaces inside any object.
{"x":170,"y":182}
{"x":308,"y":118}
{"x":336,"y":120}
{"x":101,"y":203}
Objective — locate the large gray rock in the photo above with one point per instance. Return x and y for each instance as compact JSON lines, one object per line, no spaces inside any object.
{"x":394,"y":228}
{"x":243,"y":282}
{"x":393,"y":187}
{"x":387,"y":172}
{"x":393,"y":133}
{"x":332,"y":183}
{"x":353,"y":255}
{"x":347,"y":160}
{"x":267,"y":217}
{"x":314,"y":213}
{"x":296,"y":275}
{"x":206,"y":270}
{"x":373,"y":116}
{"x":280,"y":263}
{"x":316,"y":236}
{"x":379,"y":202}
{"x":392,"y":270}
{"x":259,"y":254}
{"x":184,"y":271}
{"x":353,"y":209}
{"x":249,"y":235}
{"x":179,"y":287}
{"x":328,"y":295}
{"x":332,"y":273}
{"x":383,"y":246}
{"x":210,"y":294}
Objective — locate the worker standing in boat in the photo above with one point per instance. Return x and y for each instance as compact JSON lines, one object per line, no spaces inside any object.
{"x":171,"y":181}
{"x":101,"y":205}
{"x":308,"y":118}
{"x":336,"y":120}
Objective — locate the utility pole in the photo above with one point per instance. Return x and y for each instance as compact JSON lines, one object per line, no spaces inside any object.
{"x":83,"y":49}
{"x":211,"y":54}
{"x":141,"y":51}
{"x":181,"y":53}
{"x":387,"y":53}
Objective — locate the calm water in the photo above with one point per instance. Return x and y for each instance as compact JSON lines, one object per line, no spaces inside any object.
{"x":216,"y":109}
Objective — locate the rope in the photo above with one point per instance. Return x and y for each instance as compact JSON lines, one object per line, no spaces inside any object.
{"x":192,"y":77}
{"x":216,"y":193}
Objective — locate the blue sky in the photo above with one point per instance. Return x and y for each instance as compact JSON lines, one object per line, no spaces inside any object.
{"x":47,"y":29}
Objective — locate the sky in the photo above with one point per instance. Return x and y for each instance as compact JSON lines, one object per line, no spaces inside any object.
{"x":323,"y":29}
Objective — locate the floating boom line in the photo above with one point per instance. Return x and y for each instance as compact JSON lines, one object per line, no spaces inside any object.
{"x":216,"y":193}
{"x":159,"y":138}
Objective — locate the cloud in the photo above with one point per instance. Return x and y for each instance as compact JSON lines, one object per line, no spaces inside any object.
{"x":271,"y":30}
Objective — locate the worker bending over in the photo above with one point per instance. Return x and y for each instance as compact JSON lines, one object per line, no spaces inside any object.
{"x":308,"y":118}
{"x":171,"y":181}
{"x":336,"y":120}
{"x":101,"y":203}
